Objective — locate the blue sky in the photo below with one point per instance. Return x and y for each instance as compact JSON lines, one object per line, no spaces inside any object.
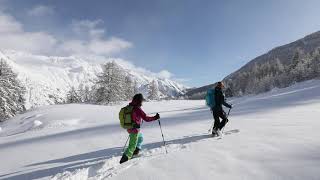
{"x":198,"y":42}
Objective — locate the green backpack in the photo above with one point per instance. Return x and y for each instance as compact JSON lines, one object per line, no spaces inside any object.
{"x":125,"y":117}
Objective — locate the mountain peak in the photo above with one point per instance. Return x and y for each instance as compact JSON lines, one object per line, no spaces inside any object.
{"x":48,"y":78}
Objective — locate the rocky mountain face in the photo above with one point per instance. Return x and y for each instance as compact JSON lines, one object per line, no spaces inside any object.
{"x":48,"y":79}
{"x":281,"y":67}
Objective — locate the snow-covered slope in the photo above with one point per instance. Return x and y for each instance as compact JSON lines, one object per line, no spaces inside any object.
{"x":48,"y":79}
{"x":281,"y":67}
{"x":269,"y":136}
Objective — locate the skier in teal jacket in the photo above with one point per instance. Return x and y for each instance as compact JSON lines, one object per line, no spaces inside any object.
{"x":217,"y":110}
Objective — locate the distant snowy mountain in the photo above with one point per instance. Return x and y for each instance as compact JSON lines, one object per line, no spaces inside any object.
{"x":279,"y":68}
{"x":47,"y":79}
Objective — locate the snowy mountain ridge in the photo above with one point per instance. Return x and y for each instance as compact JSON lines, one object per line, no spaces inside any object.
{"x":281,"y":67}
{"x":48,"y":79}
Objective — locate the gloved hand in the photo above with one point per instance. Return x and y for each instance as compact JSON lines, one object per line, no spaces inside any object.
{"x":157,"y":116}
{"x":231,"y":106}
{"x":136,"y":125}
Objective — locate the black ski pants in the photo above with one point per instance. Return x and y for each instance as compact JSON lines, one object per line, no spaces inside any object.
{"x":217,"y":114}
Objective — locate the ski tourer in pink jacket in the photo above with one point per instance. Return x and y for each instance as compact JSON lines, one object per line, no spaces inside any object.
{"x":136,"y":137}
{"x":138,"y":115}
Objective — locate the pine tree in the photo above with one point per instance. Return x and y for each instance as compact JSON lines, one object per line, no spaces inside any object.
{"x":11,"y":92}
{"x":129,"y":88}
{"x":295,"y":60}
{"x":73,"y":96}
{"x":81,"y":92}
{"x":84,"y":93}
{"x":153,"y":91}
{"x":110,"y":84}
{"x":135,"y":87}
{"x":86,"y":97}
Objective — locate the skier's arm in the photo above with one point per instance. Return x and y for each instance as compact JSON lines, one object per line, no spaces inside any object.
{"x":222,"y":100}
{"x":145,"y":117}
{"x":226,"y":104}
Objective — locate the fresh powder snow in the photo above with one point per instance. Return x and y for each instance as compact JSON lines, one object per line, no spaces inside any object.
{"x":269,"y":136}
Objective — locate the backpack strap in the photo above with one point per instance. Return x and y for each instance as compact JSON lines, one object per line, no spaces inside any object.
{"x":133,"y":123}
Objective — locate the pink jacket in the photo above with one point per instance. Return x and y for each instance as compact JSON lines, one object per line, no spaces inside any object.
{"x":137,"y":116}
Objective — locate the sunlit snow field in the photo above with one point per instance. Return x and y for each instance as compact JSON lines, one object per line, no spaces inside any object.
{"x":269,"y":136}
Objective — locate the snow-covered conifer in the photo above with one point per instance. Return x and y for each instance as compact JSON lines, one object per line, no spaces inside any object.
{"x":11,"y":92}
{"x":110,"y":84}
{"x":153,"y":91}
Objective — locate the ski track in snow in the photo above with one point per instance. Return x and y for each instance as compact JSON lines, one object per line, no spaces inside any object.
{"x":111,"y":167}
{"x":269,"y":136}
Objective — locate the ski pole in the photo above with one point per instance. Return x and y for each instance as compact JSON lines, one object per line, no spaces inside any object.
{"x":229,"y":112}
{"x":227,"y":118}
{"x":164,"y":142}
{"x":211,"y":124}
{"x":128,"y":140}
{"x":125,"y":144}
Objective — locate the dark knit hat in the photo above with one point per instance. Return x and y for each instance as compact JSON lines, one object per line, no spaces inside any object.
{"x":220,"y":84}
{"x":138,"y":97}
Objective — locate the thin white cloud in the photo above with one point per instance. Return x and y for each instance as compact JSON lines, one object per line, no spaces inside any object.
{"x":88,"y":28}
{"x":165,"y":74}
{"x":12,"y":36}
{"x":92,"y":40}
{"x":8,"y":24}
{"x":76,"y":47}
{"x":182,"y":80}
{"x":41,"y":10}
{"x":105,"y":47}
{"x":89,"y":39}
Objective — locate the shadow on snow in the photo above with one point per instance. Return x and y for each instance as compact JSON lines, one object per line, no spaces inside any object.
{"x":86,"y":160}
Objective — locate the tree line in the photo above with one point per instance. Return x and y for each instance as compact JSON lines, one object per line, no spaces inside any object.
{"x":264,"y":76}
{"x":111,"y":86}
